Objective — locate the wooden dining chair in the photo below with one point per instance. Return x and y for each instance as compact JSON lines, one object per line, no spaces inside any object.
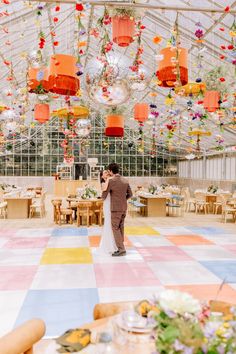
{"x":60,"y":213}
{"x":98,"y":211}
{"x":201,"y":203}
{"x":84,"y":210}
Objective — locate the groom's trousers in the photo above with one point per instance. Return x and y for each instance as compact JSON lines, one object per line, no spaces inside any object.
{"x":117,"y":222}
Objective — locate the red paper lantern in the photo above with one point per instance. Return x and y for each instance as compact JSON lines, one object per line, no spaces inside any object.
{"x":141,"y":112}
{"x":38,"y":77}
{"x":123,"y":28}
{"x":114,"y":125}
{"x":63,"y":79}
{"x":41,"y":112}
{"x":167,"y":68}
{"x":211,"y":101}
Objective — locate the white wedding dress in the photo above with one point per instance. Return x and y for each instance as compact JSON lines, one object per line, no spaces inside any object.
{"x":107,"y":243}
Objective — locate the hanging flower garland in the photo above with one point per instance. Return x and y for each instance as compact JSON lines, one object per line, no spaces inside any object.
{"x":81,"y":42}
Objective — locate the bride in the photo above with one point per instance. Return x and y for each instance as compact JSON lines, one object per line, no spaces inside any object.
{"x":107,"y":244}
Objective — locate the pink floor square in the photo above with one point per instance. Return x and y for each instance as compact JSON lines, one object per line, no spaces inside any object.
{"x":7,"y":232}
{"x":124,"y":274}
{"x":17,"y":278}
{"x":26,"y":242}
{"x":231,"y":248}
{"x":164,"y":253}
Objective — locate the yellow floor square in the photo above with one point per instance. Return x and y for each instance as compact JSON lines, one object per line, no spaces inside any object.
{"x":140,"y":231}
{"x":66,"y":256}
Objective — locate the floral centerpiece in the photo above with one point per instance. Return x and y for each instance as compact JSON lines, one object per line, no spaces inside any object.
{"x":152,"y":189}
{"x":182,"y":325}
{"x":89,"y":193}
{"x":212,"y":189}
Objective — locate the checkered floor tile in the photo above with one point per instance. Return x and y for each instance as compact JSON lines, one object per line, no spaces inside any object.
{"x":58,"y":274}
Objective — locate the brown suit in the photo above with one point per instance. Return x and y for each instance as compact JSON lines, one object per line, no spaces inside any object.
{"x":120,"y":191}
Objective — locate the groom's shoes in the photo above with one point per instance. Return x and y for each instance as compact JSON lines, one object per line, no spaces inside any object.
{"x":118,"y":253}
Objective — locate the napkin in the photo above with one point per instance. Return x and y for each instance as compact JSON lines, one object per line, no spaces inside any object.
{"x":74,"y":340}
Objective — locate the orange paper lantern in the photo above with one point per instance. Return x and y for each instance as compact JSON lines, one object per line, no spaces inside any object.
{"x":114,"y":125}
{"x":167,"y":68}
{"x":141,"y":112}
{"x":211,"y":101}
{"x":62,"y":78}
{"x":123,"y":28}
{"x":37,"y":77}
{"x":41,"y":112}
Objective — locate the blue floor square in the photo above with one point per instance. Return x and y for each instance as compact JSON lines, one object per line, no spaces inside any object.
{"x":225,"y":270}
{"x":206,"y":230}
{"x":70,"y":231}
{"x":60,"y":309}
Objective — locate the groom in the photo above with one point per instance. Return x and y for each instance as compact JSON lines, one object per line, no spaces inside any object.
{"x":120,"y":192}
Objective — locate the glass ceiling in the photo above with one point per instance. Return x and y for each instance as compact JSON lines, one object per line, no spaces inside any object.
{"x":20,"y":25}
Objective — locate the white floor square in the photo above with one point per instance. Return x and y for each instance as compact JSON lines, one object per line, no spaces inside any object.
{"x":64,"y":277}
{"x":10,"y":305}
{"x":149,"y":241}
{"x":182,"y":273}
{"x":68,"y":242}
{"x":43,"y":232}
{"x":128,"y":294}
{"x":30,"y":256}
{"x":131,"y":256}
{"x":208,"y":252}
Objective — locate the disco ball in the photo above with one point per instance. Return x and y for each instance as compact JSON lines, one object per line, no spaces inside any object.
{"x":10,"y":128}
{"x":9,"y":115}
{"x":83,"y":127}
{"x":106,"y":81}
{"x":111,"y":95}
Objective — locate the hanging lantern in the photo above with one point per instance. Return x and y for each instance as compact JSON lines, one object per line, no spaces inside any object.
{"x":167,"y":67}
{"x":75,"y":112}
{"x":114,"y":125}
{"x":123,"y":28}
{"x":38,"y":80}
{"x":62,"y":78}
{"x":41,"y":112}
{"x":211,"y":101}
{"x":191,"y":89}
{"x":141,"y":112}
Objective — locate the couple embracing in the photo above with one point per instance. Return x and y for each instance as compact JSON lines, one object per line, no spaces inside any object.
{"x":115,"y":193}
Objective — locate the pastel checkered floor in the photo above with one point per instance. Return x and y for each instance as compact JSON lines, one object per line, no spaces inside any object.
{"x":56,"y":273}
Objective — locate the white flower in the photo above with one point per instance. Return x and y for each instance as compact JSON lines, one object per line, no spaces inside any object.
{"x":181,"y":303}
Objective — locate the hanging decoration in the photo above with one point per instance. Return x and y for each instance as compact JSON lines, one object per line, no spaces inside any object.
{"x":191,"y":89}
{"x":123,"y":26}
{"x":139,"y":77}
{"x":62,"y":78}
{"x":41,"y":112}
{"x":141,"y":112}
{"x":211,"y":101}
{"x":114,"y":125}
{"x":38,"y":80}
{"x":106,"y":78}
{"x":173,"y":67}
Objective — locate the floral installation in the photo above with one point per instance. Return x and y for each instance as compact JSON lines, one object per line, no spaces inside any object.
{"x":199,"y":33}
{"x":229,"y":51}
{"x":220,"y":141}
{"x":81,"y":43}
{"x":183,"y":326}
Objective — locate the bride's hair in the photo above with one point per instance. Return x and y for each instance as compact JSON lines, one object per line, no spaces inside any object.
{"x":102,"y":180}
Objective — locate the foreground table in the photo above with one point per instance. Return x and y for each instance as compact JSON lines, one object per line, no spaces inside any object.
{"x":18,"y":208}
{"x":49,"y":345}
